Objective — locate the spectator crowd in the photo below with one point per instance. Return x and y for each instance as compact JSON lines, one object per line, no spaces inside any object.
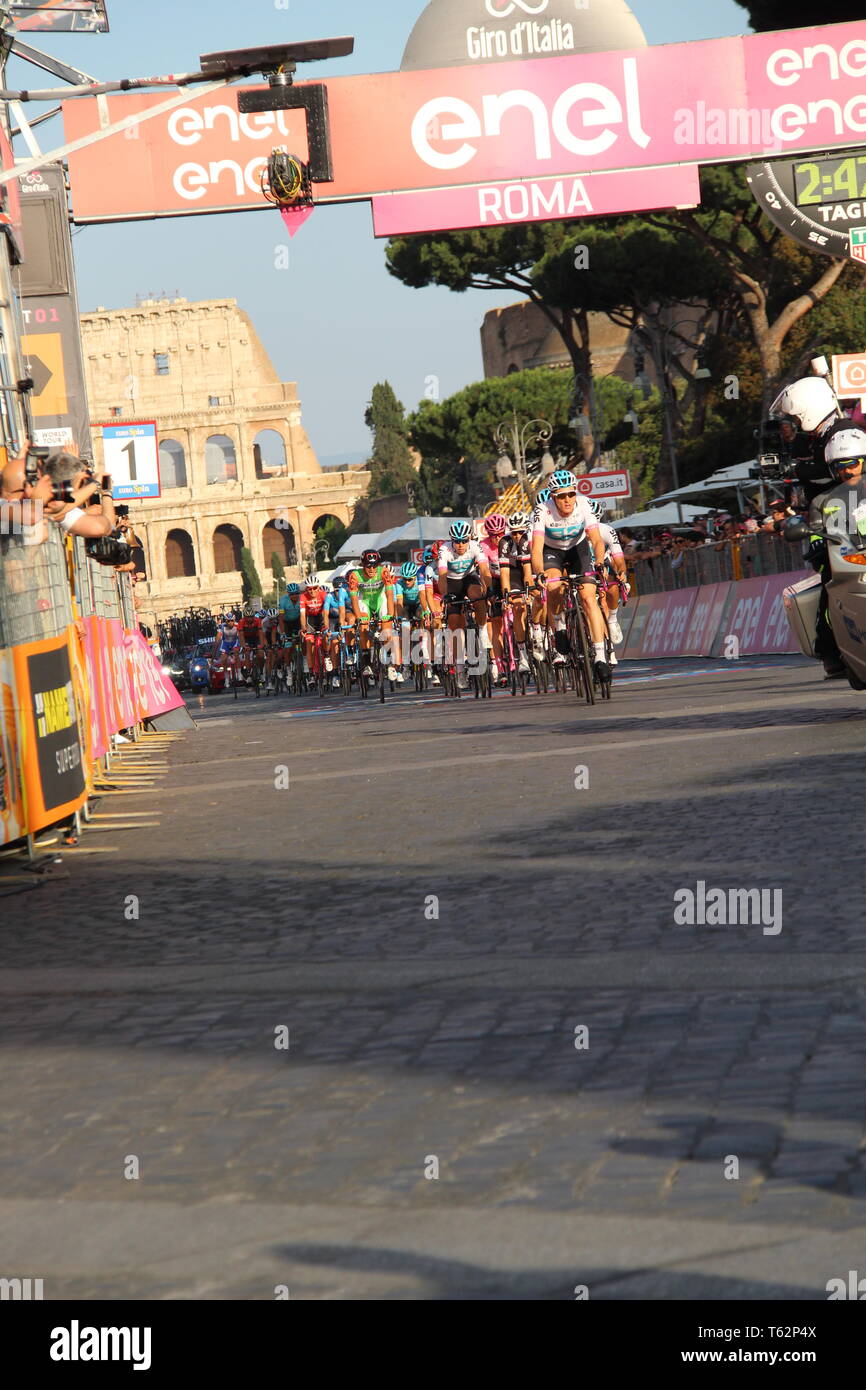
{"x":39,"y":490}
{"x":718,"y":545}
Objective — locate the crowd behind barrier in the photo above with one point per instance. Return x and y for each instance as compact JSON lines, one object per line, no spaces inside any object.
{"x":75,"y":670}
{"x":680,"y":562}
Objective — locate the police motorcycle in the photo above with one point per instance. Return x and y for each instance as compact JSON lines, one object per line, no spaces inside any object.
{"x":837,"y":520}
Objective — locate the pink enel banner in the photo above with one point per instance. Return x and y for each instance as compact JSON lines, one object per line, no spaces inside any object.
{"x":704,"y":619}
{"x":152,"y":693}
{"x":661,"y":624}
{"x":542,"y":200}
{"x":491,"y":123}
{"x":755,"y":616}
{"x":700,"y":621}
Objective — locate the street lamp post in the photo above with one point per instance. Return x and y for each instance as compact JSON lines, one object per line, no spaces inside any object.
{"x":510,"y":434}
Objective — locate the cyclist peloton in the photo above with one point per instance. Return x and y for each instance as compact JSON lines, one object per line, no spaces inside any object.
{"x":336,"y":604}
{"x":252,"y":636}
{"x":496,"y":529}
{"x":290,"y":616}
{"x":464,"y":574}
{"x":228,"y":641}
{"x":313,"y":621}
{"x":411,"y":607}
{"x":614,"y":570}
{"x":565,"y":536}
{"x":515,"y":568}
{"x":371,"y":589}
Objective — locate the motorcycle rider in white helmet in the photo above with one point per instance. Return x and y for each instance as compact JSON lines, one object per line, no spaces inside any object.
{"x":807,"y":413}
{"x":840,"y":510}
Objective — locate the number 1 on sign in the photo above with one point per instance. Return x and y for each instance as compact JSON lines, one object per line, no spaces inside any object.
{"x":130,"y":449}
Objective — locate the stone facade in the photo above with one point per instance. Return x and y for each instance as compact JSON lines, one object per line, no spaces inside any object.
{"x":234,"y":455}
{"x":520,"y":336}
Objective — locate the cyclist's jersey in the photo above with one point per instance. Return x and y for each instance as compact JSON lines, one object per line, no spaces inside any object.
{"x":251,"y":631}
{"x":458,"y":566}
{"x":269,"y":623}
{"x":410,"y":594}
{"x":428,"y":576}
{"x":563,"y":532}
{"x":229,"y":638}
{"x":313,"y":602}
{"x":291,"y":610}
{"x":490,"y":551}
{"x":333,"y":603}
{"x":371,"y":591}
{"x":515,"y":552}
{"x":612,"y":546}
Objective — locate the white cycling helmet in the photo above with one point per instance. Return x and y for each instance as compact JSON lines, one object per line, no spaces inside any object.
{"x":846,"y":446}
{"x":806,"y":403}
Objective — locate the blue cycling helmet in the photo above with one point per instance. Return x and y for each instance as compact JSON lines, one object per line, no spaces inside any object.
{"x":597,"y":508}
{"x":563,"y":480}
{"x":428,"y":555}
{"x":409,"y":571}
{"x":460,"y":531}
{"x":544,"y":495}
{"x":293,"y":590}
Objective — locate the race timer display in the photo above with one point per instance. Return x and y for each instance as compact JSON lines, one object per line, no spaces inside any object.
{"x":830,"y":180}
{"x":818,"y":200}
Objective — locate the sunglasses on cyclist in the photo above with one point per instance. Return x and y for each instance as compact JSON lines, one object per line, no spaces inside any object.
{"x":565,"y":494}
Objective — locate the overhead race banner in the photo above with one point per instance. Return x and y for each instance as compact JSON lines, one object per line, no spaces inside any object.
{"x":542,"y":200}
{"x":61,"y":16}
{"x":490,"y":123}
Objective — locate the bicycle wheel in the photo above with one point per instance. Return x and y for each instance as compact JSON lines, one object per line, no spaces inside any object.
{"x":584,"y":684}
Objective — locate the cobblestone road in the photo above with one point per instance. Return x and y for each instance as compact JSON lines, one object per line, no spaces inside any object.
{"x":416,"y":1037}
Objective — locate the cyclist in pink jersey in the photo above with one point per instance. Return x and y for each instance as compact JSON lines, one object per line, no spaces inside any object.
{"x":495,"y":529}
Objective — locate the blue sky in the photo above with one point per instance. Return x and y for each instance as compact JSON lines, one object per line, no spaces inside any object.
{"x":335,"y":321}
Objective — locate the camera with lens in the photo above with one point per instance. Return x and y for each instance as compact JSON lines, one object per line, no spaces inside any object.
{"x":34,"y":457}
{"x":63,"y":491}
{"x":121,"y":511}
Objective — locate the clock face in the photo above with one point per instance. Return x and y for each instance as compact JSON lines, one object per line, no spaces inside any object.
{"x":819,"y":201}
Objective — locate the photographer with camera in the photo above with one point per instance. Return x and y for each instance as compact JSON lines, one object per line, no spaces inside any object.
{"x":71,"y":497}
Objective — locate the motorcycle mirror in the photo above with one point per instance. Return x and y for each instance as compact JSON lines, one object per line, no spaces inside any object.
{"x":795,"y":530}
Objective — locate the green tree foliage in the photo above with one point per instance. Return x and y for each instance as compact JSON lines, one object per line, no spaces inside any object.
{"x":251,"y":585}
{"x":460,"y":430}
{"x":278,"y":570}
{"x":797,"y":14}
{"x":390,"y":462}
{"x":772,"y":281}
{"x":332,"y":533}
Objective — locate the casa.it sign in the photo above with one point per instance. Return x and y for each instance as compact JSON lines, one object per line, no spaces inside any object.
{"x":496,"y":123}
{"x":603,"y":485}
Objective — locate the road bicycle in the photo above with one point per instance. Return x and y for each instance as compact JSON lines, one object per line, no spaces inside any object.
{"x":480,"y":678}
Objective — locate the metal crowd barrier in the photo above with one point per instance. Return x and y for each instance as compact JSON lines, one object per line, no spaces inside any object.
{"x":744,"y":558}
{"x":35,"y":599}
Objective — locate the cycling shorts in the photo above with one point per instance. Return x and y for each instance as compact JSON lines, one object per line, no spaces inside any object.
{"x":458,"y":588}
{"x":374,"y":607}
{"x":293,"y":627}
{"x":228,"y":645}
{"x":577,"y":561}
{"x":316,"y":622}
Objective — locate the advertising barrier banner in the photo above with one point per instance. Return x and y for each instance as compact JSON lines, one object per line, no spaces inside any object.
{"x":663,"y":625}
{"x":487,"y":123}
{"x":755,"y":615}
{"x":704,"y":619}
{"x":12,"y":822}
{"x":52,"y":755}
